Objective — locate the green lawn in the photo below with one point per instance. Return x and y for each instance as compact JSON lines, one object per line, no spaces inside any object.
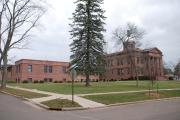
{"x":22,"y":93}
{"x":130,"y":97}
{"x":59,"y":104}
{"x":100,"y":87}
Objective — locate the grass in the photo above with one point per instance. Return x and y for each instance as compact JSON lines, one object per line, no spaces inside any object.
{"x":60,"y":103}
{"x":100,"y":87}
{"x":130,"y":97}
{"x":24,"y":94}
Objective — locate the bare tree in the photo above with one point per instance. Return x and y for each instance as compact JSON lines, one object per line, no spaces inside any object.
{"x":177,"y":70}
{"x":18,"y":18}
{"x":123,"y":35}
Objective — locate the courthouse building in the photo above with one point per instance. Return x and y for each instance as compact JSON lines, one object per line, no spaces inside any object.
{"x":132,"y":62}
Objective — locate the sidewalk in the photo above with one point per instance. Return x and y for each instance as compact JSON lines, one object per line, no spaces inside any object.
{"x":81,"y":95}
{"x":81,"y":101}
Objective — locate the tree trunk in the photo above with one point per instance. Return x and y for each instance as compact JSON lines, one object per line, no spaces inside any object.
{"x":5,"y":72}
{"x":1,"y":70}
{"x":88,"y":45}
{"x":137,"y":81}
{"x":87,"y":80}
{"x":137,"y":77}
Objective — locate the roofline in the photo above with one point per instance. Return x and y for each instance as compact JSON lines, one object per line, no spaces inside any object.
{"x":135,"y":50}
{"x":122,"y":52}
{"x":147,"y":50}
{"x":41,"y":60}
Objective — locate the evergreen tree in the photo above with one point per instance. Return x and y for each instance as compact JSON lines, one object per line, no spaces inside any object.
{"x":88,"y":40}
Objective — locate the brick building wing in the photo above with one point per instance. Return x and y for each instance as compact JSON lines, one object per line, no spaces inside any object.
{"x":36,"y":70}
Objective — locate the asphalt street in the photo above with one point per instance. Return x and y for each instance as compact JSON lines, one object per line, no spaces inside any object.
{"x":12,"y":108}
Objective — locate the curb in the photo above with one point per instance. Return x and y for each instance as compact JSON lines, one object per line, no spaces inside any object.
{"x":40,"y":105}
{"x":57,"y":109}
{"x":74,"y":109}
{"x":131,"y":103}
{"x":143,"y":101}
{"x":19,"y":97}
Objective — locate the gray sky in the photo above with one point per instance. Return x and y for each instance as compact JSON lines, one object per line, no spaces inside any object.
{"x":160,"y":19}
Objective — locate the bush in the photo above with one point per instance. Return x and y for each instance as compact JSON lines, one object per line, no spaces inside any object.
{"x":11,"y":81}
{"x":36,"y":81}
{"x":69,"y":82}
{"x":41,"y":81}
{"x":144,"y":78}
{"x":25,"y":81}
{"x":55,"y":81}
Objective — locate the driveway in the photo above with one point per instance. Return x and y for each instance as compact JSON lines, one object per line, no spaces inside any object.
{"x":12,"y":108}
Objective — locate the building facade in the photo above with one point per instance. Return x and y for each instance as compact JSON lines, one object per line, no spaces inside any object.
{"x":41,"y":70}
{"x":133,"y":62}
{"x":36,"y":70}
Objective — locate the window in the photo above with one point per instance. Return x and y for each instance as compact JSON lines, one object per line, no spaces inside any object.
{"x":122,"y":62}
{"x":45,"y":79}
{"x":29,"y":80}
{"x":48,"y":80}
{"x":128,"y":61}
{"x":142,"y":71}
{"x":48,"y":69}
{"x":45,"y":68}
{"x":128,"y":71}
{"x":17,"y":68}
{"x":120,"y":72}
{"x":29,"y":68}
{"x":63,"y":69}
{"x":111,"y":62}
{"x":118,"y":62}
{"x":137,"y":60}
{"x":112,"y":71}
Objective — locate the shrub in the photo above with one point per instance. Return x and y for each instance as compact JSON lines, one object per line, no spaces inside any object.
{"x":36,"y":81}
{"x":11,"y":81}
{"x":55,"y":81}
{"x":25,"y":81}
{"x":41,"y":81}
{"x":144,"y":78}
{"x":68,"y":81}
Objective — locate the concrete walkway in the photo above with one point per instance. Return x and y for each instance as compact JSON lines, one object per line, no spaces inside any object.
{"x":81,"y":101}
{"x":81,"y":95}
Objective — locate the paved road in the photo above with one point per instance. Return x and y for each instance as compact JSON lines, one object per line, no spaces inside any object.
{"x":14,"y":109}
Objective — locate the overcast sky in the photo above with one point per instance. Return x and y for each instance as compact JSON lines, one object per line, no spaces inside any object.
{"x":159,"y":18}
